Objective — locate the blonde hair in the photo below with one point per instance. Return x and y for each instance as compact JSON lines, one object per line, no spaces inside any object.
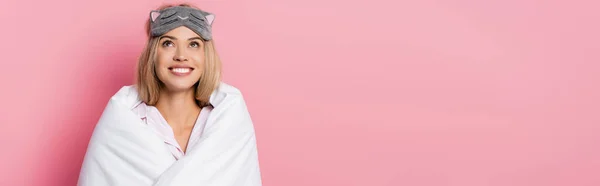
{"x":147,"y":83}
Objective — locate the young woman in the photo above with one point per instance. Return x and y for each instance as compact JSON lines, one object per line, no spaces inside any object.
{"x":179,"y":124}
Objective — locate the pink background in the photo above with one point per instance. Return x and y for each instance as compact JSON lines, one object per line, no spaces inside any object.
{"x":352,"y":93}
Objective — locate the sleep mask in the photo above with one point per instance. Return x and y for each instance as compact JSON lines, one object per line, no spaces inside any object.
{"x":170,"y":18}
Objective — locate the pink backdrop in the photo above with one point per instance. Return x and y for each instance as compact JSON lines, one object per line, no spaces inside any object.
{"x":352,"y":93}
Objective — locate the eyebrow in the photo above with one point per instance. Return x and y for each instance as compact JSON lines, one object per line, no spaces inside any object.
{"x":173,"y":38}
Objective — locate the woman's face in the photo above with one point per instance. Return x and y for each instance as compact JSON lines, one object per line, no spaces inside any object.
{"x":180,"y":59}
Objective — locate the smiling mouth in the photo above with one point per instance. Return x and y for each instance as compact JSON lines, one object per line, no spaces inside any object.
{"x":181,"y":70}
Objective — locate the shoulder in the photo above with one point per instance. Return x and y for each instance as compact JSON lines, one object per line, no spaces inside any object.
{"x":127,"y":95}
{"x":229,"y":108}
{"x":224,"y":94}
{"x":229,"y":89}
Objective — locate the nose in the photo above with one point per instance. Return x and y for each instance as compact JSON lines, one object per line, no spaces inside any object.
{"x":180,"y":56}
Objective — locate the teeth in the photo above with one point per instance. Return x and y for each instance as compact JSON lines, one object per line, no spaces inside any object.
{"x":181,"y":70}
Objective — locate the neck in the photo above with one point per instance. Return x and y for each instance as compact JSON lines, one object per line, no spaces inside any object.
{"x":179,"y":108}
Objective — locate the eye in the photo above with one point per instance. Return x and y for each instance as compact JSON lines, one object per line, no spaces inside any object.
{"x":167,"y":43}
{"x":195,"y":44}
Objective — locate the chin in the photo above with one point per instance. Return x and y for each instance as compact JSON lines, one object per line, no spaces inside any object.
{"x":180,"y":86}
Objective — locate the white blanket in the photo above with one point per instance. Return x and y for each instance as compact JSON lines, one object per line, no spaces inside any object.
{"x":125,"y":151}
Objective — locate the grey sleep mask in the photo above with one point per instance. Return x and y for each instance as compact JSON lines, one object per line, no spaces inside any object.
{"x":170,"y":18}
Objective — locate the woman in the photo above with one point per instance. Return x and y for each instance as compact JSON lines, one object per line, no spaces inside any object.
{"x":179,"y":124}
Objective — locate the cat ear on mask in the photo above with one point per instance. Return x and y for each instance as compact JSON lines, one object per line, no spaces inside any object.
{"x":209,"y":18}
{"x":154,"y":14}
